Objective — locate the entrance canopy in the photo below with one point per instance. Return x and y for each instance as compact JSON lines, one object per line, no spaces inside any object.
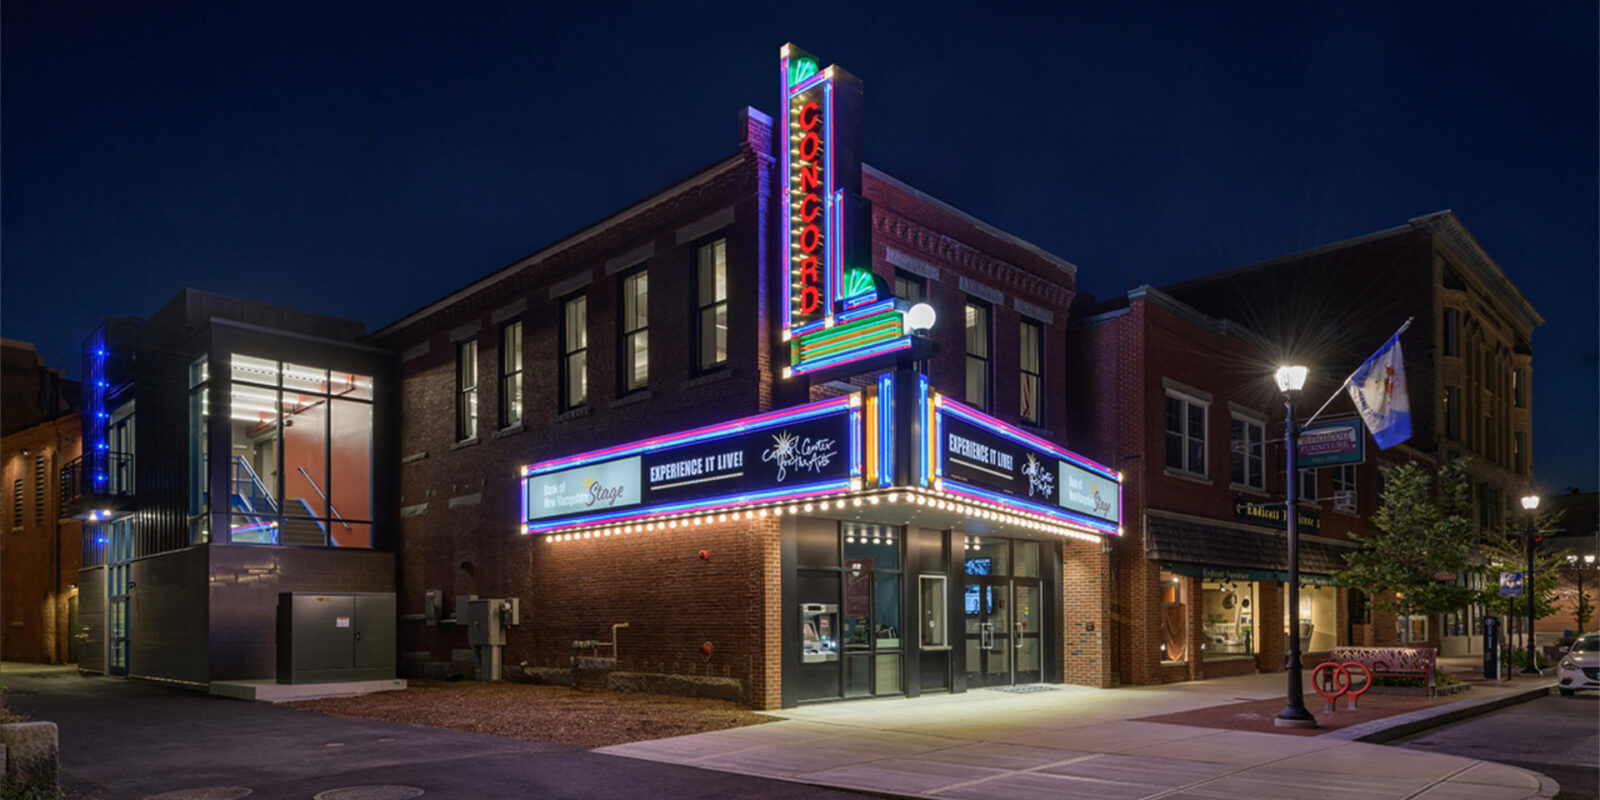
{"x":897,"y":444}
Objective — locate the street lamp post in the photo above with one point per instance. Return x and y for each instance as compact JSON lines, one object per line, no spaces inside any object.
{"x":1531,"y":503}
{"x":1294,"y":713}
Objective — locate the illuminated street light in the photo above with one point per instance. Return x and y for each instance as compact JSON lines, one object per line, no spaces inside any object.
{"x":1531,"y":504}
{"x":1294,"y":713}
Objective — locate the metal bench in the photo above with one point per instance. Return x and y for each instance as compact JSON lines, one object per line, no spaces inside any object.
{"x":1408,"y":662}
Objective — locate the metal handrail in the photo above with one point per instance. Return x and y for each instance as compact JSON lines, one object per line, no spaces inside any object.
{"x":331,"y":510}
{"x":255,"y":484}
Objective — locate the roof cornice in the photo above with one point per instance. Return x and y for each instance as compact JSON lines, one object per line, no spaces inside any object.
{"x":1221,"y":327}
{"x":1060,"y":263}
{"x":1445,"y":225}
{"x":696,"y":180}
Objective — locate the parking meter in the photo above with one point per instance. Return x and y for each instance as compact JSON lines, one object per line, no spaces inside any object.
{"x":1491,"y":648}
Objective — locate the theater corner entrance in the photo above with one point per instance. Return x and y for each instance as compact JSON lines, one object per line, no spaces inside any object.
{"x":1003,"y":609}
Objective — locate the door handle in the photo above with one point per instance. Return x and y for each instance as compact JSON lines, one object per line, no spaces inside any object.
{"x":358,"y":636}
{"x":1018,"y":637}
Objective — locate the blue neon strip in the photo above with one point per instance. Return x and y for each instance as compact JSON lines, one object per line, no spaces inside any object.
{"x":788,"y":257}
{"x":886,"y":429}
{"x":1022,"y":437}
{"x":785,"y":493}
{"x":1067,"y":517}
{"x":865,"y":311}
{"x":795,"y":333}
{"x":855,"y":442}
{"x":755,"y":423}
{"x":891,"y":346}
{"x":923,"y":467}
{"x":831,"y":272}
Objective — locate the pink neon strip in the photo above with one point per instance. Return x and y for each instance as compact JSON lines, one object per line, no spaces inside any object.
{"x":976,"y":416}
{"x":819,"y":408}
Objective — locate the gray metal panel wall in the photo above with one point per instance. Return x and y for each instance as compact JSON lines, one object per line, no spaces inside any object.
{"x":167,"y":617}
{"x":91,"y":619}
{"x":246,"y":581}
{"x":375,"y":642}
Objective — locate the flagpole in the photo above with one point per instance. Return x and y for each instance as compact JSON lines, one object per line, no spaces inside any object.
{"x":1313,"y":417}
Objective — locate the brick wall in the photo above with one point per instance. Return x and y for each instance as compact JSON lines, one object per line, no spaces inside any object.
{"x":41,"y":553}
{"x":1085,"y":613}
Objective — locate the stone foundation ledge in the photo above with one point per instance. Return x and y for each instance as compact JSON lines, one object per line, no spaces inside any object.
{"x":601,"y":673}
{"x":31,"y":751}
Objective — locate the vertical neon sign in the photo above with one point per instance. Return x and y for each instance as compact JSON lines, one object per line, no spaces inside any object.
{"x":826,"y":240}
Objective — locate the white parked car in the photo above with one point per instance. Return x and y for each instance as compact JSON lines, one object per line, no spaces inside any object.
{"x":1580,"y":667}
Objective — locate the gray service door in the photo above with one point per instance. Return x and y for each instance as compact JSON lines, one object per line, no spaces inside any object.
{"x":374,"y":636}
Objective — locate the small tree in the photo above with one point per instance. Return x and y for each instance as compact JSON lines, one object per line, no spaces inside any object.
{"x":1506,"y":551}
{"x":1581,"y":576}
{"x":1423,"y":534}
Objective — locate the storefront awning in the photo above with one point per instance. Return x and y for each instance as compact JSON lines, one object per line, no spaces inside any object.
{"x":1185,"y":541}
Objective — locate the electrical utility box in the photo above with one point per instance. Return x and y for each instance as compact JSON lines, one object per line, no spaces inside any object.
{"x":343,"y":636}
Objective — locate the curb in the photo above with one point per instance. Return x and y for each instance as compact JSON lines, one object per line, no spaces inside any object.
{"x":1380,"y":731}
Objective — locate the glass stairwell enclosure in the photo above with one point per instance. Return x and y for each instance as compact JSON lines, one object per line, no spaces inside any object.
{"x":299,"y":469}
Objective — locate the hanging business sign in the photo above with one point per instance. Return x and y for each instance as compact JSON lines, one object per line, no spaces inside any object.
{"x":984,"y":458}
{"x":837,"y":312}
{"x":1325,"y":444}
{"x":1510,"y":584}
{"x":1241,"y":575}
{"x":1272,"y":515}
{"x":802,"y":451}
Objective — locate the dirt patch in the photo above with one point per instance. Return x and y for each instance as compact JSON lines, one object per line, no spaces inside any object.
{"x":541,"y":713}
{"x":1258,"y":715}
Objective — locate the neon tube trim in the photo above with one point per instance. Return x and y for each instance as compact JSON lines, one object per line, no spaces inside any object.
{"x":866,"y":311}
{"x":855,"y":442}
{"x":1063,"y":515}
{"x":886,"y":429}
{"x":753,"y":423}
{"x":704,"y":504}
{"x":902,"y":343}
{"x":1023,"y":437}
{"x":864,"y":334}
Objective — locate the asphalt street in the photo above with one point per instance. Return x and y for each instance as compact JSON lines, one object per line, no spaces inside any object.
{"x":1558,"y":736}
{"x":122,"y":739}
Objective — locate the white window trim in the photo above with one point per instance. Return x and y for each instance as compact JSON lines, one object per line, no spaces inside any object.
{"x":1248,"y":417}
{"x":1205,"y":425}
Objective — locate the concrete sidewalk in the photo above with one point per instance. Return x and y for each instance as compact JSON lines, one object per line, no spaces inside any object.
{"x":1077,"y":742}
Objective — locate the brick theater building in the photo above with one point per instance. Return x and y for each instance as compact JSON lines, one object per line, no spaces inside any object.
{"x":684,"y":318}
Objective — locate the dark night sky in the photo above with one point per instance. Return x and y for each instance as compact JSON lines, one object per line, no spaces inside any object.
{"x":362,"y":160}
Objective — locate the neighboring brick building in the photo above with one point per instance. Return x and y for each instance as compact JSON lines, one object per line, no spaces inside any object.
{"x":40,"y":553}
{"x":1468,"y":356}
{"x":1185,"y":405}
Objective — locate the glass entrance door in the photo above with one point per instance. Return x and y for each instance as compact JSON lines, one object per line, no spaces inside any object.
{"x":1026,"y":629}
{"x":989,"y":632}
{"x":119,"y":553}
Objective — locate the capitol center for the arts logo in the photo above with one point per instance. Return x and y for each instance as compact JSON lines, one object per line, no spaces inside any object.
{"x":800,"y":453}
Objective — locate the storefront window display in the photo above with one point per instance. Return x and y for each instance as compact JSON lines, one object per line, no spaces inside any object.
{"x":1228,"y":610}
{"x":1174,"y":619}
{"x":1318,"y":617}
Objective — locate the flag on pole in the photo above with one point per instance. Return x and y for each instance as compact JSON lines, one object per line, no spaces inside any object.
{"x":1378,"y":389}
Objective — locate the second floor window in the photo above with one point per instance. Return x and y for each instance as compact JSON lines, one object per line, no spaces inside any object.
{"x":910,"y":288}
{"x":1247,"y":453}
{"x":711,"y":305}
{"x":467,"y":390}
{"x":1030,"y":349}
{"x":1344,"y":487}
{"x":574,"y":351}
{"x":1452,"y":412}
{"x":978,"y":356}
{"x":635,"y":331}
{"x":1452,"y":332}
{"x":1308,"y":483}
{"x":510,"y":374}
{"x":1186,"y":434}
